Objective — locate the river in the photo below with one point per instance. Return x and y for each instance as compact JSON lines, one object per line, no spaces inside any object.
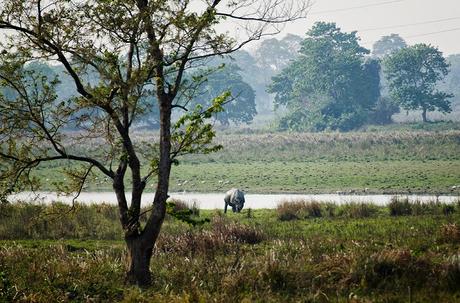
{"x":216,"y":200}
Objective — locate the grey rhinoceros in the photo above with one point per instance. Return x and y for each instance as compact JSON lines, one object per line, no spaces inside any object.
{"x":235,"y":198}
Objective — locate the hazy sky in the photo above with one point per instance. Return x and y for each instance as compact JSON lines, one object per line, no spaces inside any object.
{"x":438,"y":21}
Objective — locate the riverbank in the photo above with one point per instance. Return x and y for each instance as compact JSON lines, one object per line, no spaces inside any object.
{"x":381,"y":162}
{"x":215,"y":200}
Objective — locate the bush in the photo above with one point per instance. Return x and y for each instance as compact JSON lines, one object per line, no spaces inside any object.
{"x":400,"y":207}
{"x":451,"y":272}
{"x":389,"y":265}
{"x":357,"y":210}
{"x":235,"y":232}
{"x":288,"y":211}
{"x":298,"y":209}
{"x":223,"y":233}
{"x":450,"y":233}
{"x":448,"y":209}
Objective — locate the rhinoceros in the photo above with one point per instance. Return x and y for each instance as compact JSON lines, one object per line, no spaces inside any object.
{"x":235,"y":198}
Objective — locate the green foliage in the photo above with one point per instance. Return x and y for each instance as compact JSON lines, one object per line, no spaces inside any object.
{"x":240,"y":108}
{"x":400,"y":207}
{"x":184,"y":215}
{"x":330,"y":85}
{"x":191,"y":134}
{"x":298,"y":209}
{"x":382,"y":112}
{"x":412,"y":74}
{"x":303,"y":209}
{"x":274,"y":55}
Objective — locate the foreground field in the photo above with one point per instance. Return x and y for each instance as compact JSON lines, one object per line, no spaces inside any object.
{"x":302,"y":251}
{"x":399,"y":161}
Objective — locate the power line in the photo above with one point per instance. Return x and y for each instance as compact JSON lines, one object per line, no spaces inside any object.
{"x":355,"y":7}
{"x":408,"y":24}
{"x":418,"y":35}
{"x":434,"y":33}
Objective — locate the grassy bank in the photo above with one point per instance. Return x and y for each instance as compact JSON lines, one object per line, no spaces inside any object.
{"x":302,"y":251}
{"x":400,"y":161}
{"x":320,"y":177}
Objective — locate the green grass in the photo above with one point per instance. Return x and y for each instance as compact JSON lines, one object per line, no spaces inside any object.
{"x":436,"y":176}
{"x":382,"y":161}
{"x":252,"y":256}
{"x":335,"y":147}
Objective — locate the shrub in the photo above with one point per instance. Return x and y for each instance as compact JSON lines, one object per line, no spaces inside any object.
{"x":389,"y":265}
{"x":451,"y":272}
{"x":288,"y":211}
{"x":448,"y":209}
{"x":450,"y":233}
{"x":357,"y":210}
{"x":235,"y":232}
{"x":181,"y":205}
{"x":400,"y":207}
{"x":222,"y":234}
{"x":178,"y":204}
{"x":298,"y":209}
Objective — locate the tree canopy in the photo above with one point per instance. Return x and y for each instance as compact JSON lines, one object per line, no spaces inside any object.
{"x":330,"y":85}
{"x":387,"y":45}
{"x":241,"y":108}
{"x":412,"y":74}
{"x":139,"y":52}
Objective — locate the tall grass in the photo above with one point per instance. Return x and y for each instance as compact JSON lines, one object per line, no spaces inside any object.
{"x":402,"y":207}
{"x":303,"y":209}
{"x":354,"y":146}
{"x":348,"y":253}
{"x":39,"y":221}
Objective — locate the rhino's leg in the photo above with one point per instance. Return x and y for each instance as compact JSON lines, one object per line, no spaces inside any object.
{"x":225,"y":209}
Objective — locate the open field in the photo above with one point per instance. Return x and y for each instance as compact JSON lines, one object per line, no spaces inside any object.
{"x":396,"y":161}
{"x":305,"y":252}
{"x":321,"y":177}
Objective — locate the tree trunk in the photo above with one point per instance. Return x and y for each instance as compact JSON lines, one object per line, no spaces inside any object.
{"x":139,"y":253}
{"x":424,"y":115}
{"x":140,"y":246}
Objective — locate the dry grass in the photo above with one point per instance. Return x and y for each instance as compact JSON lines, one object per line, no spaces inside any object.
{"x":222,"y":234}
{"x":259,"y":258}
{"x":450,"y":233}
{"x":298,"y":209}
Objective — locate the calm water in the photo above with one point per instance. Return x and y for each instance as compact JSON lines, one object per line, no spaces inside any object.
{"x":216,"y":200}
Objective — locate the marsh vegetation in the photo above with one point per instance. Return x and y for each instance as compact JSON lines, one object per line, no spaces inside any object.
{"x":302,"y":251}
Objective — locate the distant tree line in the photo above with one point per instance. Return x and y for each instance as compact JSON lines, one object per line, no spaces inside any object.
{"x":214,"y":80}
{"x":325,"y":81}
{"x":334,"y":83}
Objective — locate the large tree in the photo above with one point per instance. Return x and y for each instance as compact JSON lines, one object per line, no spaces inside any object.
{"x":412,"y":74}
{"x":139,"y":51}
{"x":240,"y":108}
{"x":387,"y":45}
{"x":330,"y":85}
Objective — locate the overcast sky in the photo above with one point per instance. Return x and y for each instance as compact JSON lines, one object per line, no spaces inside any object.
{"x":438,"y":21}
